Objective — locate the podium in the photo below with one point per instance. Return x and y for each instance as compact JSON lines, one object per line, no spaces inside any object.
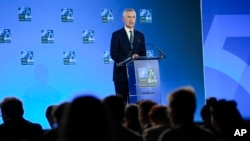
{"x":143,"y":78}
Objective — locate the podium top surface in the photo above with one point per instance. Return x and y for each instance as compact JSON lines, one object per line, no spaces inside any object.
{"x":130,"y":59}
{"x":146,"y":58}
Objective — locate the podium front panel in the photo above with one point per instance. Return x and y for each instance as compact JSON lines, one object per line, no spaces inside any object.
{"x":144,"y":80}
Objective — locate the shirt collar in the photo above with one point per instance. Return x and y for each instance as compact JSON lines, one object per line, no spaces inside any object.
{"x":127,"y":29}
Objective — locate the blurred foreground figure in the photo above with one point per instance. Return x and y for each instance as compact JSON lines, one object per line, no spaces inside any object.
{"x":15,"y":126}
{"x":181,"y":109}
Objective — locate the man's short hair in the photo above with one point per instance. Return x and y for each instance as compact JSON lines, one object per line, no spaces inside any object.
{"x":128,"y":9}
{"x":183,"y":100}
{"x":12,"y":107}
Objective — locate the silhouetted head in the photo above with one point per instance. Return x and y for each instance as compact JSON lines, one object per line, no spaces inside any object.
{"x":115,"y":104}
{"x":158,"y":115}
{"x":59,"y":112}
{"x":182,"y":105}
{"x":131,"y":112}
{"x":49,"y":115}
{"x":86,"y":118}
{"x":206,"y":110}
{"x":226,"y":117}
{"x":11,"y":108}
{"x":144,"y":108}
{"x":131,"y":117}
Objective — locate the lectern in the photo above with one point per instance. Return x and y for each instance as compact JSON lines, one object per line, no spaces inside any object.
{"x":143,"y":78}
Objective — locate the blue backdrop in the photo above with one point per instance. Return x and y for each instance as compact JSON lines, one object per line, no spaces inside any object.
{"x":52,"y":51}
{"x":226,"y":40}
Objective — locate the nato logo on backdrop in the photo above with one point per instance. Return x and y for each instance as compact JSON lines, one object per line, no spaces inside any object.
{"x":24,"y":14}
{"x":69,"y":58}
{"x":107,"y":15}
{"x":107,"y":58}
{"x":88,"y":36}
{"x":67,"y":15}
{"x":5,"y":36}
{"x":47,"y":36}
{"x":27,"y":58}
{"x":145,"y":16}
{"x":150,"y":53}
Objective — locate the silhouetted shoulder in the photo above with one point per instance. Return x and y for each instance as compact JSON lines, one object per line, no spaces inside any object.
{"x":129,"y":135}
{"x":138,"y":32}
{"x":184,"y":133}
{"x":118,"y":31}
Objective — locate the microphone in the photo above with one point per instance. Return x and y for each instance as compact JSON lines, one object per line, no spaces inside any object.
{"x":162,"y":55}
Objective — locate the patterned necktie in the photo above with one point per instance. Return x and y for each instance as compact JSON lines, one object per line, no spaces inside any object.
{"x":131,"y":39}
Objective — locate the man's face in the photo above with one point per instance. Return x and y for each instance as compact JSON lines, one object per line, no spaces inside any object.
{"x":129,"y":19}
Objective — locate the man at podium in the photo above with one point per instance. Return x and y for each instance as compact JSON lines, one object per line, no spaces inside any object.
{"x":125,"y":42}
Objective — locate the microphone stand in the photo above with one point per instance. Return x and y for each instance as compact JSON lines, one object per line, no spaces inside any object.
{"x":162,"y":55}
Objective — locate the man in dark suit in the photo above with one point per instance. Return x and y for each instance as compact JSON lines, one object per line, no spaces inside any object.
{"x":126,"y":42}
{"x":15,"y":127}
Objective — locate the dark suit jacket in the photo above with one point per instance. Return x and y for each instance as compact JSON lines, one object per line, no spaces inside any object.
{"x":189,"y":132}
{"x":20,"y":129}
{"x":153,"y":133}
{"x":125,"y":134}
{"x":120,"y":50}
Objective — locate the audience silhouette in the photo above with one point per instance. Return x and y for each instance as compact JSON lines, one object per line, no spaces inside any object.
{"x":159,"y":122}
{"x":131,"y":119}
{"x":181,"y":109}
{"x":87,"y":117}
{"x":206,"y":114}
{"x":226,"y":119}
{"x":15,"y":127}
{"x":49,"y":115}
{"x":144,"y":108}
{"x":58,"y":114}
{"x":115,"y":104}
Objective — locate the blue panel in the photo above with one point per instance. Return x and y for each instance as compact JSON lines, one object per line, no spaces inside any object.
{"x":226,"y":51}
{"x":69,"y":42}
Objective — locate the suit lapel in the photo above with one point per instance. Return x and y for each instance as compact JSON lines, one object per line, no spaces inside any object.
{"x":125,"y":38}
